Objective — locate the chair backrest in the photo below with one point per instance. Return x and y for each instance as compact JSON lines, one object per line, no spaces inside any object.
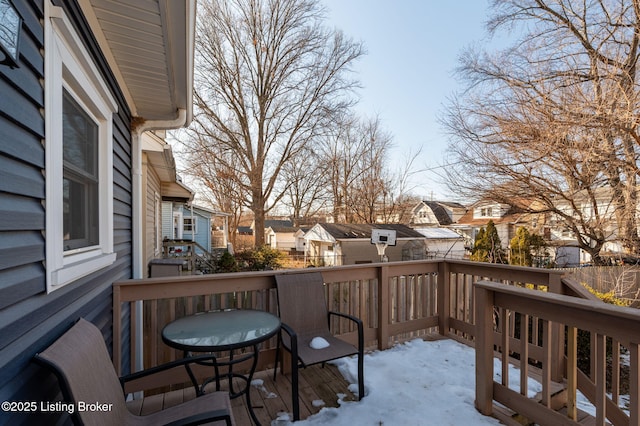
{"x":301,"y":301}
{"x":81,"y":361}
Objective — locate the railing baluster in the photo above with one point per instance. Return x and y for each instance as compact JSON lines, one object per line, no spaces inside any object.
{"x":524,"y":353}
{"x":153,"y":326}
{"x":615,"y":371}
{"x":600,"y":378}
{"x":504,"y":328}
{"x":572,"y":372}
{"x":383,"y":307}
{"x":634,"y":383}
{"x":546,"y":363}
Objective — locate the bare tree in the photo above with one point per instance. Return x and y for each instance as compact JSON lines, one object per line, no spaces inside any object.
{"x":372,"y":178}
{"x":306,"y":185}
{"x":219,"y":180}
{"x":554,"y":117}
{"x":268,"y":77}
{"x":355,"y":152}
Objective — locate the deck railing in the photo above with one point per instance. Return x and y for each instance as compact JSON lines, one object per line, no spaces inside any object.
{"x":607,"y":324}
{"x":396,"y":301}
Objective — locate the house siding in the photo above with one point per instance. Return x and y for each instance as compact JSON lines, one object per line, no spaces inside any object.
{"x":31,"y":319}
{"x":167,"y":220}
{"x":203,"y":234}
{"x":152,"y":185}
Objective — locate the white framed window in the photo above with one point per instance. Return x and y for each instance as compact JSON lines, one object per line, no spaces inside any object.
{"x":79,"y":112}
{"x":189,"y":225}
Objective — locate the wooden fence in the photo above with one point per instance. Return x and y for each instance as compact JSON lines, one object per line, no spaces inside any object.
{"x":624,"y":280}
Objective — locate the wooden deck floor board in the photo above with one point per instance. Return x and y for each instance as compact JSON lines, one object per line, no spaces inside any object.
{"x":270,"y":400}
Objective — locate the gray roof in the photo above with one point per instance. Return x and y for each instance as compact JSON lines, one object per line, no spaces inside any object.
{"x":441,"y":214}
{"x":352,"y":230}
{"x":277,"y":223}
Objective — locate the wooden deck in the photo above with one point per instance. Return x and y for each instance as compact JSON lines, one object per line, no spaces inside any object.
{"x":271,"y":398}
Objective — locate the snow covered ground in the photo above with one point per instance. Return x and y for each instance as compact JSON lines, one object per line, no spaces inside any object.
{"x":416,"y":383}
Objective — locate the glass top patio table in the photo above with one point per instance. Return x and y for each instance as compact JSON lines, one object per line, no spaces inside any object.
{"x":220,"y":330}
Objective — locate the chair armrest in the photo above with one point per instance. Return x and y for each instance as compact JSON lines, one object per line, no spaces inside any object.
{"x":294,"y":340}
{"x":290,"y":331}
{"x":207,"y":417}
{"x":359,"y":324}
{"x":167,"y":366}
{"x":347,"y":316}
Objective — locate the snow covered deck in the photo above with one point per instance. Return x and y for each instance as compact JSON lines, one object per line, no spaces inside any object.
{"x":402,"y":301}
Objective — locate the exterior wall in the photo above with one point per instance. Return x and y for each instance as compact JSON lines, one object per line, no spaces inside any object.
{"x":167,"y":219}
{"x":285,"y":241}
{"x":151,"y":182}
{"x":203,"y":229}
{"x":270,"y":238}
{"x":424,"y":216}
{"x":31,"y":319}
{"x":300,"y":241}
{"x":450,"y":249}
{"x":359,"y":251}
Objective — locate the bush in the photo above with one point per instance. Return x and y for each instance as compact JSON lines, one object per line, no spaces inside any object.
{"x":227,"y":263}
{"x":584,"y":337}
{"x":608,"y":297}
{"x":260,"y":259}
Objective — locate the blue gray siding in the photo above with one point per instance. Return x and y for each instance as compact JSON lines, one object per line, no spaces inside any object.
{"x":30,"y":319}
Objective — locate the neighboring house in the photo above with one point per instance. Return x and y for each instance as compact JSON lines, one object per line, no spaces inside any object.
{"x":506,"y":218}
{"x":335,"y":244}
{"x":443,"y":243}
{"x":162,"y":184}
{"x":563,"y":239}
{"x":168,"y":205}
{"x":244,"y":230}
{"x":280,"y":234}
{"x":189,"y":222}
{"x":436,"y":213}
{"x":301,"y":243}
{"x":92,"y":76}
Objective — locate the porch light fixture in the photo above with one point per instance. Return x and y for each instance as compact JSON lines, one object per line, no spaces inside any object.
{"x":10,"y":24}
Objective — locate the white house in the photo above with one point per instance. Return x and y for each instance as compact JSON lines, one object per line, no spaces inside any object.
{"x":436,"y":213}
{"x":280,"y":234}
{"x":443,"y":243}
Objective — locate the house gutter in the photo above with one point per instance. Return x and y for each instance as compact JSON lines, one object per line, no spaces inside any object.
{"x":182,"y":120}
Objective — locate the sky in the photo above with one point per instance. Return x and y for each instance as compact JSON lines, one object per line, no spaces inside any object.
{"x":408,"y":72}
{"x":415,"y":383}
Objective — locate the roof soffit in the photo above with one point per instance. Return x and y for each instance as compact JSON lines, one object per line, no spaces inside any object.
{"x":149,"y":46}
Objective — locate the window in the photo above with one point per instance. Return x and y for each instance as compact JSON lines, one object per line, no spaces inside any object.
{"x":189,"y":225}
{"x":80,"y":176}
{"x":79,"y":157}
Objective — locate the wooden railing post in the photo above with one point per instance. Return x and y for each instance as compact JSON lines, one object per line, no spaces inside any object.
{"x":484,"y":350}
{"x":572,"y":373}
{"x":557,"y":335}
{"x":117,"y":330}
{"x":444,"y":296}
{"x":634,"y":384}
{"x":383,"y":307}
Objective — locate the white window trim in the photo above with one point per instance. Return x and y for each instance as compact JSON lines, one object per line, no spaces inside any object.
{"x":69,"y":65}
{"x":178,"y":226}
{"x":193,"y":224}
